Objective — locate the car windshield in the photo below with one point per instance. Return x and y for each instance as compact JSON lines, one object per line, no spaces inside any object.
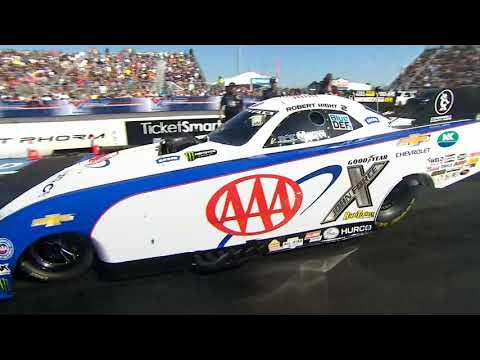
{"x":240,"y":129}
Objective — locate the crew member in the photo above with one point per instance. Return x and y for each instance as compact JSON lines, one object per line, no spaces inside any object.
{"x":272,"y":91}
{"x":231,"y":104}
{"x":326,"y":85}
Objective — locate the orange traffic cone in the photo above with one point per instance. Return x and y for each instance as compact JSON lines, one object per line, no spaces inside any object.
{"x":33,"y":155}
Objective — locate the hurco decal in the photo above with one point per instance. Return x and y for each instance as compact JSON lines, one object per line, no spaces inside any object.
{"x":413,"y":140}
{"x":192,"y":155}
{"x":236,"y":210}
{"x":39,"y":139}
{"x":368,"y":159}
{"x":185,"y":126}
{"x":356,"y":229}
{"x":359,"y":191}
{"x":360,"y":214}
{"x":53,"y":220}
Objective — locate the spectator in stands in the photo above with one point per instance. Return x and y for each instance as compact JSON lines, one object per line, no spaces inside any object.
{"x":231,"y":104}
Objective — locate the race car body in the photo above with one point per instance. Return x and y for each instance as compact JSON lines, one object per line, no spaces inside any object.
{"x":287,"y":172}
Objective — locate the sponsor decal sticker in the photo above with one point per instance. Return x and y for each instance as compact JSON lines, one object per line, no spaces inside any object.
{"x":412,"y":152}
{"x":359,"y":191}
{"x":53,"y":220}
{"x":100,"y":161}
{"x":372,"y":120}
{"x":6,"y":249}
{"x":165,"y":159}
{"x":359,"y":214}
{"x":444,"y":102}
{"x":292,"y":243}
{"x":440,"y":118}
{"x":4,"y":285}
{"x":439,"y":172}
{"x":356,"y":229}
{"x":465,"y":172}
{"x":340,"y":122}
{"x":331,"y":233}
{"x":274,"y":245}
{"x":413,"y":140}
{"x":447,"y":139}
{"x":4,"y":270}
{"x":368,"y":159}
{"x":254,"y":204}
{"x":193,"y":155}
{"x":311,"y":135}
{"x":313,"y":236}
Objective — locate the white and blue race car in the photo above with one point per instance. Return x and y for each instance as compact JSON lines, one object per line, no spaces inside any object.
{"x":286,"y":173}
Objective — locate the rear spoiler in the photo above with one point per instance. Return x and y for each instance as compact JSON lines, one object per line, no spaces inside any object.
{"x":443,"y":105}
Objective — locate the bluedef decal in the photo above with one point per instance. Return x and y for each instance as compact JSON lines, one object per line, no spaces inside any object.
{"x":340,"y":122}
{"x":359,"y":191}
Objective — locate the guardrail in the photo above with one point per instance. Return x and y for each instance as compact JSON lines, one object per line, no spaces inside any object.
{"x":10,"y":109}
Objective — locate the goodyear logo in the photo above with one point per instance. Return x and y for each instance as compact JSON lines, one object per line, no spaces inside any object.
{"x":52,"y":220}
{"x":4,"y":285}
{"x":413,"y":140}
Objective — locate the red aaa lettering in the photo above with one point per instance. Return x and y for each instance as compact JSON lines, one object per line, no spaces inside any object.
{"x":280,"y":203}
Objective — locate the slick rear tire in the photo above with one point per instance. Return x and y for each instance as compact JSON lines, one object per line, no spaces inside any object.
{"x":396,"y":205}
{"x":58,"y":258}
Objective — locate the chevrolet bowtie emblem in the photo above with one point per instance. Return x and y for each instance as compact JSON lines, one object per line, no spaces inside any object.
{"x":52,"y":220}
{"x":414,"y":140}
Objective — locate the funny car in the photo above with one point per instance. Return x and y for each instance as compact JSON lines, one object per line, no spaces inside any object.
{"x":286,"y":173}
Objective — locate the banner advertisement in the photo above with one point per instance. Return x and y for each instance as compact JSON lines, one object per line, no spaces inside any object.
{"x":147,"y":131}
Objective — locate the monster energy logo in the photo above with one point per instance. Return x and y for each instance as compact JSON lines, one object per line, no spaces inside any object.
{"x":359,"y":191}
{"x":4,"y":285}
{"x":192,"y":155}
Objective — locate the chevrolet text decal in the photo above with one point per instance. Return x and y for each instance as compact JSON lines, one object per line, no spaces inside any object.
{"x":359,"y":191}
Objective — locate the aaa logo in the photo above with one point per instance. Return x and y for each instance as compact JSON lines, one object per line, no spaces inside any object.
{"x":254,"y":204}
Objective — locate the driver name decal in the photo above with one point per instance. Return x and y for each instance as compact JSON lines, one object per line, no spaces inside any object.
{"x":254,"y":204}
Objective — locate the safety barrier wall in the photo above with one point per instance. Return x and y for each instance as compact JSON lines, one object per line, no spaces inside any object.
{"x":12,"y":109}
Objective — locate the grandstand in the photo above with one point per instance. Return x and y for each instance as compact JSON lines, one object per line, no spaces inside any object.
{"x":442,"y":66}
{"x":50,"y":75}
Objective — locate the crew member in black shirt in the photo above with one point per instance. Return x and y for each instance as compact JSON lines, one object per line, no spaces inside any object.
{"x":272,"y":91}
{"x":231,"y":103}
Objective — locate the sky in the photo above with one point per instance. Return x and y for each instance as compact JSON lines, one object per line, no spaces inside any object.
{"x":297,"y":65}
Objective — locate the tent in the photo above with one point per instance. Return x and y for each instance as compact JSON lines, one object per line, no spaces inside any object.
{"x":245,"y":78}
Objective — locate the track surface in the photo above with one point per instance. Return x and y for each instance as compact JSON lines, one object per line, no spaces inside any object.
{"x":427,"y":263}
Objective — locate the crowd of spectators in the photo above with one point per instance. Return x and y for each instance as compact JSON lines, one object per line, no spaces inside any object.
{"x":446,"y":66}
{"x":50,"y":75}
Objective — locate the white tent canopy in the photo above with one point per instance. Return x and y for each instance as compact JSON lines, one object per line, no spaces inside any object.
{"x":359,"y":86}
{"x":245,"y":78}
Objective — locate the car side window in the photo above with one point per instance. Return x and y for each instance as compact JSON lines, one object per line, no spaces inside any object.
{"x":311,"y":125}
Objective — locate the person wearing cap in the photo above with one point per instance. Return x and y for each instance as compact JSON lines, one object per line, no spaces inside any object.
{"x":231,"y":104}
{"x":272,"y":91}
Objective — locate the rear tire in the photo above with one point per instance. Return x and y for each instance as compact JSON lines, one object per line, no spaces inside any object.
{"x":396,"y":205}
{"x":57,"y":258}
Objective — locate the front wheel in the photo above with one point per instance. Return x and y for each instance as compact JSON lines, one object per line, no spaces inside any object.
{"x":396,"y":205}
{"x":58,"y":257}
